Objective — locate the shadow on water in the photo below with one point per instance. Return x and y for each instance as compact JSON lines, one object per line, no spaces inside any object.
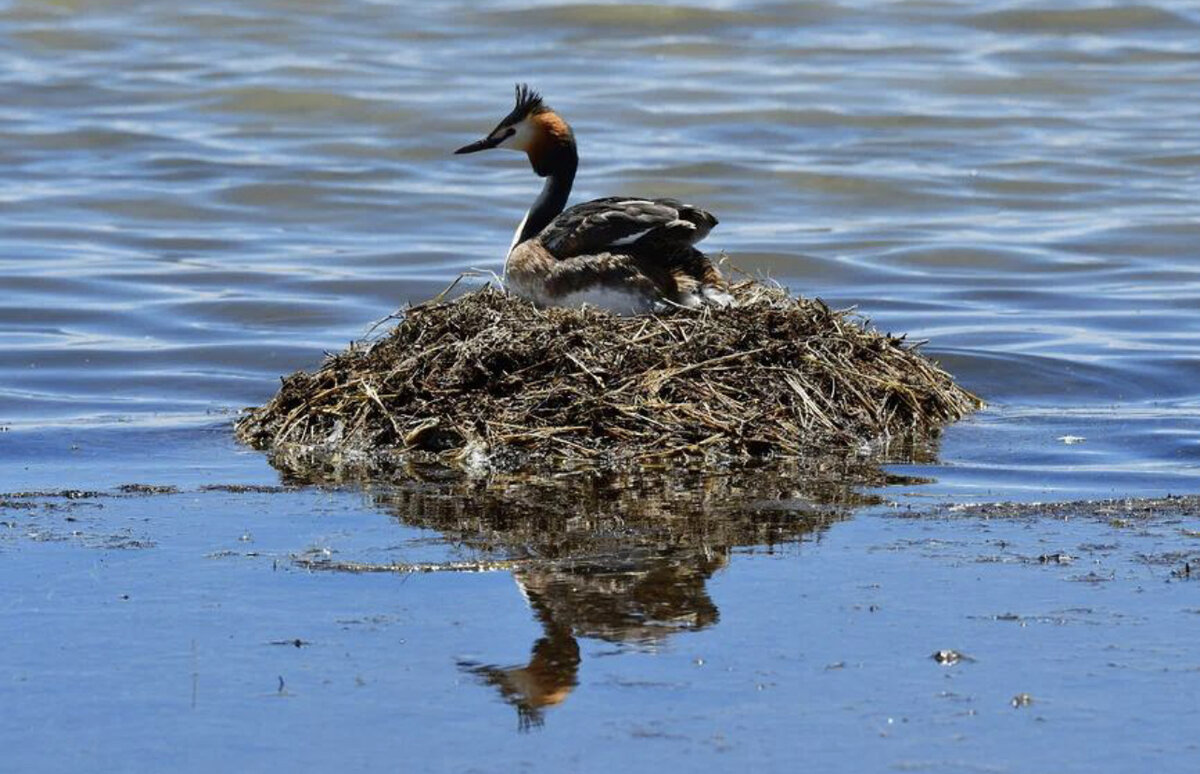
{"x":619,"y":557}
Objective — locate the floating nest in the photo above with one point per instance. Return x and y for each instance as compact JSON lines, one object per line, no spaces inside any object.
{"x":488,"y":376}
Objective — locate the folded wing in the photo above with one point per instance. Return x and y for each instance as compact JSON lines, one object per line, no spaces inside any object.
{"x":625,"y":225}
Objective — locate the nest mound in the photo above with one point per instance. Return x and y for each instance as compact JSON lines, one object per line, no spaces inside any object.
{"x":488,"y":373}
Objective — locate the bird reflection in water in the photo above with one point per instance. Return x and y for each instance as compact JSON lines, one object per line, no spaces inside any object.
{"x":637,"y":598}
{"x":623,"y":558}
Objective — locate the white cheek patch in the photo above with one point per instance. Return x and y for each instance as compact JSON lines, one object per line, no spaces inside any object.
{"x":521,"y":139}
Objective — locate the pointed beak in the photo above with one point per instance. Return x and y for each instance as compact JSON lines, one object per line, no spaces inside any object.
{"x":484,"y":144}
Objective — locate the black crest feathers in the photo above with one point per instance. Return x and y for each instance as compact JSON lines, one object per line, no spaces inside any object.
{"x":528,"y":103}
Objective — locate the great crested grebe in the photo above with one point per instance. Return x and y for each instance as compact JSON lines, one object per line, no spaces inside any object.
{"x":623,"y":253}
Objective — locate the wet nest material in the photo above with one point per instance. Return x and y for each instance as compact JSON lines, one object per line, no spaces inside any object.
{"x":488,"y":376}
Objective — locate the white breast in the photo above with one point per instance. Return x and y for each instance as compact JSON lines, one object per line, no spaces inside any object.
{"x":614,"y":298}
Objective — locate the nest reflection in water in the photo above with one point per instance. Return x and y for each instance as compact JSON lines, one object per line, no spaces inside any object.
{"x":618,"y":556}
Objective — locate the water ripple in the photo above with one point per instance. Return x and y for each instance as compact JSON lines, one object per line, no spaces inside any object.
{"x":199,"y":199}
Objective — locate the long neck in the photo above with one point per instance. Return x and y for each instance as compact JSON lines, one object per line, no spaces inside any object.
{"x":551,"y":200}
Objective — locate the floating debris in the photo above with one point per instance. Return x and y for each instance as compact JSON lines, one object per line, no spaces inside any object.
{"x":950,"y":657}
{"x":65,"y":494}
{"x":147,"y":489}
{"x":488,"y":374}
{"x":1118,"y":512}
{"x":244,"y":488}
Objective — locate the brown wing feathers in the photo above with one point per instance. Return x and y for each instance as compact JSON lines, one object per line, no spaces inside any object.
{"x":616,"y":222}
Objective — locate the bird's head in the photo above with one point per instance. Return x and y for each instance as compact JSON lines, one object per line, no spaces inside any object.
{"x":534,"y":128}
